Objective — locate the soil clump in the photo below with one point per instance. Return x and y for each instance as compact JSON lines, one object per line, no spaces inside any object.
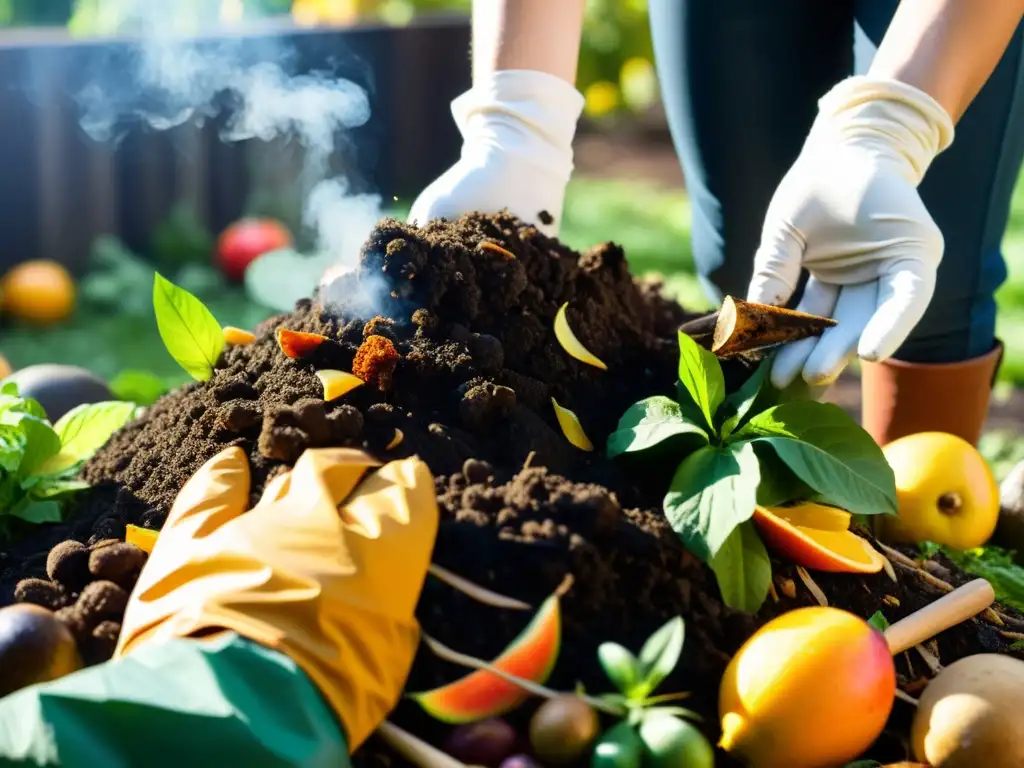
{"x":457,"y":345}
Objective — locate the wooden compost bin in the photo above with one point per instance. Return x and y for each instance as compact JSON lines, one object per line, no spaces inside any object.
{"x":60,"y":188}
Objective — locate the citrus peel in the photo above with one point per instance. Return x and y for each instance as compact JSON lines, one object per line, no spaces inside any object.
{"x":571,"y":344}
{"x":296,"y":344}
{"x":571,"y":427}
{"x":835,"y":551}
{"x":337,"y":383}
{"x":396,"y":440}
{"x":238,"y":336}
{"x":143,"y":538}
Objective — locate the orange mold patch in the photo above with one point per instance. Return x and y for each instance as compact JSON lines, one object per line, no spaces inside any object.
{"x":834,"y":549}
{"x":483,"y":694}
{"x":296,"y":344}
{"x":375,"y":360}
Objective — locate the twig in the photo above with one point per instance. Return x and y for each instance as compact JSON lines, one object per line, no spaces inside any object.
{"x":812,"y":586}
{"x":414,"y":749}
{"x":444,"y":652}
{"x":475,"y":591}
{"x":930,"y":659}
{"x":904,"y":696}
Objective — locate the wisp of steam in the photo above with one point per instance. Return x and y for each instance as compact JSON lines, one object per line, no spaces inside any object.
{"x":173,"y":79}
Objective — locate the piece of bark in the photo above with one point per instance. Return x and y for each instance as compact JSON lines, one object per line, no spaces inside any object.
{"x":746,"y":329}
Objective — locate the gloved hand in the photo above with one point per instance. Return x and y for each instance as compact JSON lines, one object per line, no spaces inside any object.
{"x":517,"y":130}
{"x":334,"y":588}
{"x":849,"y":212}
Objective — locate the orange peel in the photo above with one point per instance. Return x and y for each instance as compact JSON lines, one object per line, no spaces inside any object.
{"x":573,"y":345}
{"x":143,"y":538}
{"x":833,"y":551}
{"x":571,"y":427}
{"x":297,"y":344}
{"x":337,"y":383}
{"x":238,"y":336}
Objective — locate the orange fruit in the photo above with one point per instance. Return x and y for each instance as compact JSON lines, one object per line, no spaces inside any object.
{"x":829,"y":548}
{"x":945,"y":491}
{"x":35,"y":647}
{"x":38,"y":291}
{"x":813,"y":687}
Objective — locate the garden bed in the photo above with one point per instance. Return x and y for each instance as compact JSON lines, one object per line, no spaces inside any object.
{"x":521,"y":507}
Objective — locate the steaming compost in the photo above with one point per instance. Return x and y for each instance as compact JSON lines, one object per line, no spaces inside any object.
{"x":451,"y":328}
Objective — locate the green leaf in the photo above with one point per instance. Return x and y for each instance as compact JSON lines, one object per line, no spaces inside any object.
{"x":738,"y":405}
{"x":40,"y":440}
{"x":33,"y":511}
{"x":701,"y":374}
{"x":779,"y":484}
{"x":650,"y":423}
{"x":12,"y":445}
{"x":743,"y":569}
{"x":661,"y":653}
{"x":713,"y":490}
{"x":619,"y":665}
{"x":139,"y":387}
{"x":188,"y":329}
{"x":84,"y":430}
{"x":878,"y":621}
{"x":689,"y":714}
{"x":830,"y":452}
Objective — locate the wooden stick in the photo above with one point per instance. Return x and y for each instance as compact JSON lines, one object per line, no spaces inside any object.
{"x":741,"y":328}
{"x":949,"y":610}
{"x":415,"y":750}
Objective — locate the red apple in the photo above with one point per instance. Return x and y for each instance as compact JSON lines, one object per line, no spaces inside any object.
{"x":245,"y":240}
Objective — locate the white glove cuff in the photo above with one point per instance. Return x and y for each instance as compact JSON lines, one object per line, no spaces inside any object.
{"x":523,"y":112}
{"x":894,"y":115}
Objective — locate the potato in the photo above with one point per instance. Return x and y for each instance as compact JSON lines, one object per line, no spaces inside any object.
{"x":59,"y":388}
{"x":35,"y":647}
{"x":969,"y":715}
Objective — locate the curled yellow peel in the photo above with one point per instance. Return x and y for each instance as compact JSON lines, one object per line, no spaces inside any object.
{"x":337,"y":383}
{"x":571,"y":344}
{"x":396,"y":440}
{"x":143,"y":538}
{"x":571,"y":427}
{"x":238,"y":336}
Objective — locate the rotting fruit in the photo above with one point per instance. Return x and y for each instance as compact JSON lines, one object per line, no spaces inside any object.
{"x":786,"y":531}
{"x":671,"y":742}
{"x":480,"y":694}
{"x":39,"y":291}
{"x":562,"y":729}
{"x":245,"y":241}
{"x":970,"y":715}
{"x":35,"y":647}
{"x":946,"y":492}
{"x":812,"y":687}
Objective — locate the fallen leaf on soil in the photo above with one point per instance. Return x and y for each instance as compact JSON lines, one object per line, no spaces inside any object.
{"x":571,"y":427}
{"x":573,"y":345}
{"x":296,"y":344}
{"x":238,"y":336}
{"x":337,"y":383}
{"x":143,"y":538}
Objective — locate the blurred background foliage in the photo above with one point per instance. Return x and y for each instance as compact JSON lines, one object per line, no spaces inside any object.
{"x":616,"y":73}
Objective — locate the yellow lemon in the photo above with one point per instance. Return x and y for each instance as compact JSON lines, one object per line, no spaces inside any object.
{"x":946,"y":492}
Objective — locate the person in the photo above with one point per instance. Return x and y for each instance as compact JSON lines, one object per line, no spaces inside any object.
{"x":296,"y":597}
{"x":843,"y":194}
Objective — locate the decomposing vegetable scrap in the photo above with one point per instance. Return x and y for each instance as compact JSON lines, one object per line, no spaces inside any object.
{"x":571,"y":344}
{"x":238,"y":336}
{"x":337,"y":383}
{"x":396,"y":440}
{"x":506,"y":254}
{"x":298,"y":344}
{"x":375,"y":361}
{"x":571,"y":427}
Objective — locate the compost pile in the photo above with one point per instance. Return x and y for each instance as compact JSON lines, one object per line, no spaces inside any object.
{"x":470,"y":392}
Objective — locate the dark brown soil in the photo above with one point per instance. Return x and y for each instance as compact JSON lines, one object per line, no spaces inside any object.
{"x":471,"y":393}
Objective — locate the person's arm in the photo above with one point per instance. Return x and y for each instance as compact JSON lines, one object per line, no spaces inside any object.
{"x":946,"y":48}
{"x":538,"y":35}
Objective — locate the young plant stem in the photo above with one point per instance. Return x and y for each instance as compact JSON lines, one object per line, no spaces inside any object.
{"x":475,"y":591}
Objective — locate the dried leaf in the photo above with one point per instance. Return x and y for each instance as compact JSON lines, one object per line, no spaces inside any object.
{"x":573,"y":345}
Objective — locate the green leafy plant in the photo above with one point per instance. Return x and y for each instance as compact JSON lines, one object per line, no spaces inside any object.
{"x":190,"y":332}
{"x":140,"y":387}
{"x":878,"y":621}
{"x":757,"y":445}
{"x":994,"y":564}
{"x":39,"y":460}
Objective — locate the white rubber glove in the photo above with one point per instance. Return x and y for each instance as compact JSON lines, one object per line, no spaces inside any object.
{"x":849,"y":212}
{"x":517,"y":131}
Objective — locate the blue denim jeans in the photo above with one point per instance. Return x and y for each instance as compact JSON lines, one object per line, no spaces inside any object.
{"x":740,"y":81}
